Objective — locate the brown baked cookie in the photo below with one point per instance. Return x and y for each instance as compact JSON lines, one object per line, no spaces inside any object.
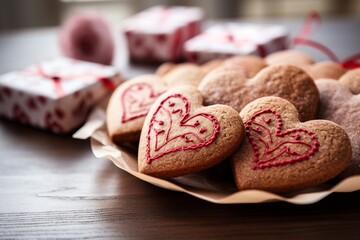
{"x":282,"y":154}
{"x":234,"y":89}
{"x":291,"y":57}
{"x":181,"y":136}
{"x":186,"y":73}
{"x":250,"y":65}
{"x":129,"y":105}
{"x":165,"y":68}
{"x":351,"y":79}
{"x":340,"y":105}
{"x":211,"y":65}
{"x":325,"y":69}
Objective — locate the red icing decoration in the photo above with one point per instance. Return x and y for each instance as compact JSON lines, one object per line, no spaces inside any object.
{"x":273,"y":146}
{"x":136,"y":100}
{"x":177,"y":116}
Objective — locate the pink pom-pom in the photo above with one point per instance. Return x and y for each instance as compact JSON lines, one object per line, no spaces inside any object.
{"x":87,"y":37}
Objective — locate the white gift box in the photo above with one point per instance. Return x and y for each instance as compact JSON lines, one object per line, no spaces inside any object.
{"x":55,"y":94}
{"x":230,"y":39}
{"x":158,"y":33}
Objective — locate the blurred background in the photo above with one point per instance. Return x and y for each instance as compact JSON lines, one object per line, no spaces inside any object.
{"x":19,"y":14}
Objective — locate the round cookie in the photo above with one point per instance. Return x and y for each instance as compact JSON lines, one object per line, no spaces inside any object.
{"x":232,"y":88}
{"x":181,"y":74}
{"x":181,"y":136}
{"x":351,"y":79}
{"x":340,"y":105}
{"x":186,"y":73}
{"x":282,"y":154}
{"x":211,"y":65}
{"x":326,"y":69}
{"x":251,"y":65}
{"x":129,"y":105}
{"x":292,"y":57}
{"x":165,"y":68}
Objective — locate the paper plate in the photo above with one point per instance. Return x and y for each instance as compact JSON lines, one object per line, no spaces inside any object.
{"x":209,"y":185}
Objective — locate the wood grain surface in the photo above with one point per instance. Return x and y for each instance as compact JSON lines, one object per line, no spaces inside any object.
{"x":53,"y":187}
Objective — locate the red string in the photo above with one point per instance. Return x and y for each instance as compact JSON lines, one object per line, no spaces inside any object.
{"x":319,"y":46}
{"x":313,"y":18}
{"x":351,"y":62}
{"x":57,"y":80}
{"x":301,"y":39}
{"x":58,"y":87}
{"x":107,"y":82}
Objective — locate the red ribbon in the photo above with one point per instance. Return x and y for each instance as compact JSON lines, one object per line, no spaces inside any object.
{"x":107,"y":82}
{"x":56,"y":79}
{"x":312,"y":19}
{"x":259,"y":47}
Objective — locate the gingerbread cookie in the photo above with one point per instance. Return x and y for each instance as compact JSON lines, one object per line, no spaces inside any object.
{"x":325,"y":69}
{"x":340,"y":105}
{"x":291,"y":57}
{"x":250,"y":65}
{"x":186,"y":73}
{"x":181,"y":136}
{"x":351,"y":79}
{"x":211,"y":65}
{"x":165,"y":68}
{"x":129,"y":105}
{"x":234,"y":89}
{"x":282,"y":154}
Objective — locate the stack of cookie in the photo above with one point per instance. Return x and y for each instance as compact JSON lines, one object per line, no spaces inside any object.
{"x":256,"y":113}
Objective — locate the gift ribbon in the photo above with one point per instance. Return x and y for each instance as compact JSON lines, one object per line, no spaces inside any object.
{"x":164,"y":14}
{"x":57,"y":80}
{"x":259,"y":47}
{"x":313,"y":18}
{"x":229,"y":37}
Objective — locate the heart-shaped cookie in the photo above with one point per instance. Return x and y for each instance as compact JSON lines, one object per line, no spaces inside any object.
{"x":136,"y":100}
{"x":318,"y":70}
{"x":282,"y":154}
{"x":180,"y":136}
{"x":185,"y":73}
{"x":351,"y":79}
{"x":291,"y":57}
{"x":234,"y":89}
{"x":129,"y":105}
{"x":339,"y":104}
{"x":326,"y":69}
{"x":250,"y":65}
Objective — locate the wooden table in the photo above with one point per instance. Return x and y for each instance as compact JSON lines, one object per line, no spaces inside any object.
{"x":53,"y":187}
